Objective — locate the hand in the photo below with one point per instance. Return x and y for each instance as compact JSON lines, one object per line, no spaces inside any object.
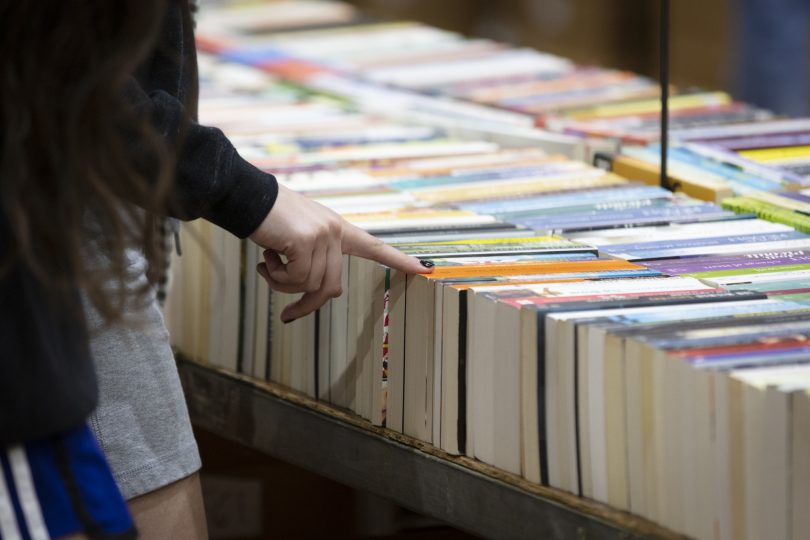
{"x":313,"y":239}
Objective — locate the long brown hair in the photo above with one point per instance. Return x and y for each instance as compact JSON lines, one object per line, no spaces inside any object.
{"x":66,"y":140}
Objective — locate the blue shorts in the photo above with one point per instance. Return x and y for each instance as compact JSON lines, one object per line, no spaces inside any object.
{"x":58,"y":486}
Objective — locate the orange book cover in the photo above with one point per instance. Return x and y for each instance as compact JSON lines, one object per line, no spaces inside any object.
{"x":294,"y":70}
{"x":529,"y":268}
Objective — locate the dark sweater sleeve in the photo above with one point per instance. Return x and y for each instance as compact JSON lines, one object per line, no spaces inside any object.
{"x":212,"y":180}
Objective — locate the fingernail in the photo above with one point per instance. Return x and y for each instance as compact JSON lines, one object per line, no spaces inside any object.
{"x":426,"y":263}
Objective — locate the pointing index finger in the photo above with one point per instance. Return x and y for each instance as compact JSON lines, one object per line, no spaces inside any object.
{"x":358,"y":242}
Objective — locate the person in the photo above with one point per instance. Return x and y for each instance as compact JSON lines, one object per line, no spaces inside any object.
{"x":770,"y":44}
{"x":64,"y":66}
{"x":141,"y":422}
{"x":98,"y":140}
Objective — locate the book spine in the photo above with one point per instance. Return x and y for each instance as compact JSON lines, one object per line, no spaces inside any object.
{"x":769,"y":212}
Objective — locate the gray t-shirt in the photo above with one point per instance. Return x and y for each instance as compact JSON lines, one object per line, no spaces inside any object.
{"x":141,"y":421}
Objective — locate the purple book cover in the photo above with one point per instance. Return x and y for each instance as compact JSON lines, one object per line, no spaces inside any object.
{"x":795,"y":195}
{"x":674,"y":267}
{"x":761,"y":141}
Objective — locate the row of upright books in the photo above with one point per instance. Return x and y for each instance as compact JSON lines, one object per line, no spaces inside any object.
{"x":583,"y":330}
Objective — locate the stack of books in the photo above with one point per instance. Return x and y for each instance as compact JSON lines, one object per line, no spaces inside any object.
{"x":758,"y":167}
{"x":584,"y":331}
{"x":368,"y":61}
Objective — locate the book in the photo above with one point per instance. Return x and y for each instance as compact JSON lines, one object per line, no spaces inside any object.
{"x":771,"y":212}
{"x":699,"y":186}
{"x":601,"y":387}
{"x":482,"y":309}
{"x":418,"y":343}
{"x":655,"y":458}
{"x":665,"y":396}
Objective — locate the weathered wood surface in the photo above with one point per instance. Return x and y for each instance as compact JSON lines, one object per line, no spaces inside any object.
{"x":339,"y":445}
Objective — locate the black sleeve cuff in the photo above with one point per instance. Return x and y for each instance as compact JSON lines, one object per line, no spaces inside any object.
{"x":250,"y":197}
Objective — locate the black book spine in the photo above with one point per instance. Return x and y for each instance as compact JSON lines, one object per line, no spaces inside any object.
{"x":643,"y":301}
{"x":462,"y":372}
{"x":317,"y":355}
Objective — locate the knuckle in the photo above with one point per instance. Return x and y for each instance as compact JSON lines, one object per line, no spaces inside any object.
{"x":289,"y":246}
{"x":308,"y":237}
{"x":334,"y":224}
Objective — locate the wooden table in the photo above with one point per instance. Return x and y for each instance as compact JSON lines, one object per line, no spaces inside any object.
{"x":339,"y":445}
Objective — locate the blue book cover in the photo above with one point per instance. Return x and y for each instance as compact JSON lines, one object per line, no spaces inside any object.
{"x":549,"y":169}
{"x":706,"y":311}
{"x":787,"y":286}
{"x":637,"y":217}
{"x":254,"y":56}
{"x":795,"y":243}
{"x":685,"y":156}
{"x":740,"y":333}
{"x":595,"y":208}
{"x":646,"y":247}
{"x":586,"y":196}
{"x":732,"y":174}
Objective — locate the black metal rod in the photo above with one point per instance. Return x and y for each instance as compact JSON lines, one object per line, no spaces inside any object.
{"x":664,"y":76}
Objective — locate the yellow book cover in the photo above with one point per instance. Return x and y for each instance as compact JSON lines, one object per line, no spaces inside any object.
{"x":783,"y":153}
{"x":531,"y":240}
{"x":646,"y":106}
{"x":408,"y":214}
{"x":636,"y":169}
